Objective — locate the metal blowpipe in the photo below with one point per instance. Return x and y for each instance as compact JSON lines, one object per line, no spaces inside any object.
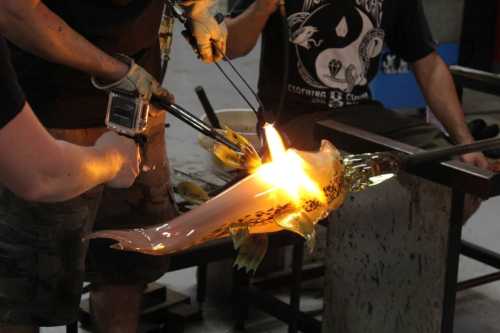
{"x":444,"y":154}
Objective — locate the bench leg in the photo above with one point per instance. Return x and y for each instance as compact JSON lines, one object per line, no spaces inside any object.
{"x":72,"y":328}
{"x":454,"y":242}
{"x":201,"y":287}
{"x":241,"y":282}
{"x":295,"y":290}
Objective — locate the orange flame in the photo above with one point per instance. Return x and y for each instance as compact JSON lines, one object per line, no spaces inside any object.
{"x":288,"y":171}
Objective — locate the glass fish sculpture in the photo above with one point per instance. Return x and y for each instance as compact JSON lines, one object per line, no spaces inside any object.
{"x":293,"y":192}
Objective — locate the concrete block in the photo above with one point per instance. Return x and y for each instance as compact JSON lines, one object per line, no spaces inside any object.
{"x":386,"y":259}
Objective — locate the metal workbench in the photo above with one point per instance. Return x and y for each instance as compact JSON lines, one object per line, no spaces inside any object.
{"x":457,"y":176}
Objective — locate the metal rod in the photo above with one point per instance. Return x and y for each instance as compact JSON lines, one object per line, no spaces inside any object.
{"x":482,"y":280}
{"x":280,"y":310}
{"x":207,"y":106}
{"x":236,"y":88}
{"x":443,"y":154}
{"x":480,"y":254}
{"x":241,"y":284}
{"x":295,"y":288}
{"x":201,"y":284}
{"x":245,"y":82}
{"x":452,"y":260}
{"x":309,"y":272}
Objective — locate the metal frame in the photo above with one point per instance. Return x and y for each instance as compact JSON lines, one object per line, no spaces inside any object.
{"x":462,"y":178}
{"x":487,"y":83}
{"x":453,"y":260}
{"x":482,"y":280}
{"x":484,"y":256}
{"x":477,"y":80}
{"x":256,"y":293}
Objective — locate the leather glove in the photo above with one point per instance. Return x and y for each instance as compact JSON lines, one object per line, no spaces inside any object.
{"x":137,"y":81}
{"x":205,"y":29}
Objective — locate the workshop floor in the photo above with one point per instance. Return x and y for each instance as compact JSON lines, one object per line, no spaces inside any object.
{"x":477,"y":310}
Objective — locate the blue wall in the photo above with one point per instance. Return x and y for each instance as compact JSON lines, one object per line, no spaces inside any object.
{"x":398,"y":87}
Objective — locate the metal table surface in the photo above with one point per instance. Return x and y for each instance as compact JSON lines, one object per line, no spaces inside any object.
{"x":455,"y":174}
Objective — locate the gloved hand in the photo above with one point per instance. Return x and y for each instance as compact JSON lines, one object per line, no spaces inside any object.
{"x":137,"y":80}
{"x":205,"y":29}
{"x":125,"y":158}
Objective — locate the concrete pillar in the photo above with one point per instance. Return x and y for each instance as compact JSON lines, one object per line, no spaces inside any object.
{"x":386,"y":259}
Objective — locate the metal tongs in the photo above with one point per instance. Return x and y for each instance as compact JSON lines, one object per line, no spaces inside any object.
{"x":190,"y":119}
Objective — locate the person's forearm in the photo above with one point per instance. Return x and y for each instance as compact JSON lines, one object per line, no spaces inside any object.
{"x":83,"y":168}
{"x":244,"y":31}
{"x":32,"y":26}
{"x":437,"y":85}
{"x":38,"y":168}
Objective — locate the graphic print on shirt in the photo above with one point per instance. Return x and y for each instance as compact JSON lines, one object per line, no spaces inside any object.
{"x":336,"y":43}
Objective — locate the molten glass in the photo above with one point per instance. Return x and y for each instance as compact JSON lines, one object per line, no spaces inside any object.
{"x":293,"y":192}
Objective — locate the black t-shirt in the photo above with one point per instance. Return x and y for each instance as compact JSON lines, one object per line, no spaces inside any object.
{"x":11,"y":94}
{"x":334,"y":50}
{"x":63,"y":97}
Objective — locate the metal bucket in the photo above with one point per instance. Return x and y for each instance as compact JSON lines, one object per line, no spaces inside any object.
{"x":244,"y":122}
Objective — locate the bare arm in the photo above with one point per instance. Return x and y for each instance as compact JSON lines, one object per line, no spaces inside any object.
{"x":245,"y":29}
{"x":39,"y":168}
{"x":439,"y":90}
{"x":32,"y":26}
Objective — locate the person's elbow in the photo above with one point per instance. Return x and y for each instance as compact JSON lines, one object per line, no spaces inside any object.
{"x":236,"y":54}
{"x":234,"y":51}
{"x":428,"y":63}
{"x":237,"y":45}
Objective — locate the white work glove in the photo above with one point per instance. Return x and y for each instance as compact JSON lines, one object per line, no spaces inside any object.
{"x":136,"y":81}
{"x":205,"y":29}
{"x":125,"y":158}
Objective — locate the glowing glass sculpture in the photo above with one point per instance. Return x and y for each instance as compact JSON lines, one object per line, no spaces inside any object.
{"x":294,"y":191}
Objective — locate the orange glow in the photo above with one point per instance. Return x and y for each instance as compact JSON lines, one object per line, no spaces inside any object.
{"x":288,"y":171}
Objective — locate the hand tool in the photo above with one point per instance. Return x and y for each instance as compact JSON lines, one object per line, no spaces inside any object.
{"x":128,"y":115}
